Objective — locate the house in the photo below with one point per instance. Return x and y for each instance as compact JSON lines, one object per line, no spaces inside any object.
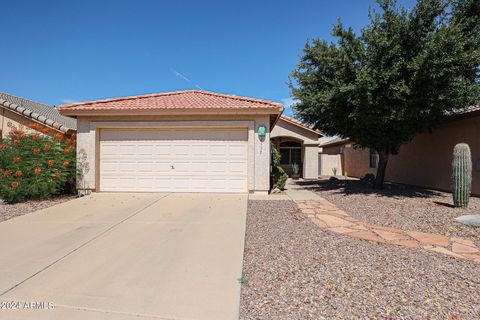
{"x":331,"y":160}
{"x":425,"y":161}
{"x":298,"y":143}
{"x":186,"y":141}
{"x":20,"y":113}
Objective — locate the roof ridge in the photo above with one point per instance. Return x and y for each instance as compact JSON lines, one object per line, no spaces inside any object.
{"x":170,"y":93}
{"x":22,"y":98}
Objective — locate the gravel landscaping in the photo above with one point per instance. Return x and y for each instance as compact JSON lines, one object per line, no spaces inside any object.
{"x":402,"y":207}
{"x":9,"y":211}
{"x":295,"y":270}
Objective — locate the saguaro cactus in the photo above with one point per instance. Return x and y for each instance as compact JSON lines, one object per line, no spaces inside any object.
{"x":461,"y":175}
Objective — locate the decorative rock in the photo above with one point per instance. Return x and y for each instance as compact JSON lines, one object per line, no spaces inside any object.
{"x":469,"y":220}
{"x":276,"y":190}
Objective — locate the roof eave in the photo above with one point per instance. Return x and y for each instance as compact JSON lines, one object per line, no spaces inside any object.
{"x":33,"y":116}
{"x":177,"y":111}
{"x":303,"y":127}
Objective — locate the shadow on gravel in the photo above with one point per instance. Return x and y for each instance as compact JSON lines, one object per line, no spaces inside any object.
{"x":348,"y":187}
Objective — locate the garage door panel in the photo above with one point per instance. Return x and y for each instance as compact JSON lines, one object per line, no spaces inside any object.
{"x":206,"y":160}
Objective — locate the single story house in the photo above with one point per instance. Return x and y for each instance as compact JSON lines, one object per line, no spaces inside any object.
{"x":187,"y":141}
{"x":19,"y":113}
{"x":298,"y":143}
{"x":426,"y":161}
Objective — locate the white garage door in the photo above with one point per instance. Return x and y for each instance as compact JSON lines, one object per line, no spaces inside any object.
{"x":179,"y":160}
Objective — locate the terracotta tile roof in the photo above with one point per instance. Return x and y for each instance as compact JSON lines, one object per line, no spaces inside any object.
{"x":300,"y":123}
{"x":188,"y":99}
{"x":37,"y":111}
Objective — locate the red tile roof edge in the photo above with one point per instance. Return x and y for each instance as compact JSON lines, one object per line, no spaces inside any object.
{"x":78,"y":105}
{"x":300,"y":123}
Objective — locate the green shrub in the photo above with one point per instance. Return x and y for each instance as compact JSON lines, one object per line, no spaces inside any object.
{"x":279,"y":175}
{"x":34,"y":166}
{"x":461,"y":175}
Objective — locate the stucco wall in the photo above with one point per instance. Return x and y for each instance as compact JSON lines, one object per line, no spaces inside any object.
{"x":357,"y":162}
{"x":426,"y":160}
{"x":309,"y":139}
{"x":330,"y":161}
{"x":10,"y":120}
{"x":258,"y":148}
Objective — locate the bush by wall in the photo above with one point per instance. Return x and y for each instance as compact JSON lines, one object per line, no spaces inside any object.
{"x":34,"y":166}
{"x":279,"y":175}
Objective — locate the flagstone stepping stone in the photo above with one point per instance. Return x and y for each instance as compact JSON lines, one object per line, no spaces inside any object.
{"x":407,"y":243}
{"x":332,"y":221}
{"x":390,"y":236}
{"x":429,"y":238}
{"x":341,"y":230}
{"x":366,"y":235}
{"x":469,"y":220}
{"x":328,"y":216}
{"x":461,"y":248}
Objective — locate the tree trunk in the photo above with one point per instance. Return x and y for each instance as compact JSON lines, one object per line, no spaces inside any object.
{"x":382,"y":167}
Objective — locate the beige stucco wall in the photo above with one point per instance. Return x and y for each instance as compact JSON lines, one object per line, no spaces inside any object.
{"x":10,"y":120}
{"x":258,"y":149}
{"x":330,"y":161}
{"x":426,"y":160}
{"x":309,"y":139}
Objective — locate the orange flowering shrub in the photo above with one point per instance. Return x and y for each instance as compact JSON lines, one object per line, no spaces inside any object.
{"x":35,"y":166}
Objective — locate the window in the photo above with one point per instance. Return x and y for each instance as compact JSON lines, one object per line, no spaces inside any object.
{"x":291,"y":153}
{"x":374,"y":158}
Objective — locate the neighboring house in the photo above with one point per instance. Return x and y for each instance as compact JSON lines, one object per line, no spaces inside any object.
{"x":330,"y":158}
{"x":186,"y":141}
{"x":297,"y":143}
{"x":426,"y":160}
{"x":20,"y":113}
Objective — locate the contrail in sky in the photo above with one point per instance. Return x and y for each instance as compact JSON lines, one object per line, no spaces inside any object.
{"x":181,"y":76}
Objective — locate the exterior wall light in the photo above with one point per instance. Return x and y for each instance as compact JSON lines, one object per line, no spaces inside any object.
{"x":262,"y":131}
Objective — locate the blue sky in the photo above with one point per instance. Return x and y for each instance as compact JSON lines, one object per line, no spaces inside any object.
{"x":61,"y":51}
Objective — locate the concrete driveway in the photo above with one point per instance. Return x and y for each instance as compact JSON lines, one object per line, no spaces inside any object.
{"x":126,"y":256}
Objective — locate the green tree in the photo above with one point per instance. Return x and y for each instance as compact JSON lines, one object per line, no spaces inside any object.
{"x":400,"y":76}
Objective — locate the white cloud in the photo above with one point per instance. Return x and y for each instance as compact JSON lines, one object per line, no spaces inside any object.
{"x":66,"y":100}
{"x":288,"y":103}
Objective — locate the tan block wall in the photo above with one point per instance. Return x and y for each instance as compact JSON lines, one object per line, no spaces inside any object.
{"x":310,"y":162}
{"x":259,"y":149}
{"x":427,"y":160}
{"x":330,"y":161}
{"x":332,"y":150}
{"x":357,"y":162}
